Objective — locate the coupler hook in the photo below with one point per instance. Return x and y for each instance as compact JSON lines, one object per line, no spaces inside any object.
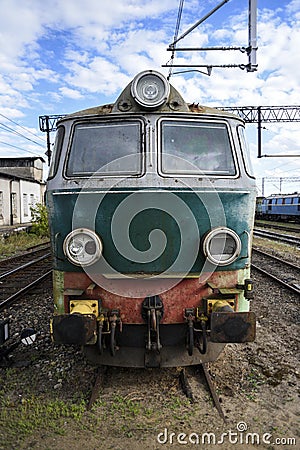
{"x":190,"y":317}
{"x":114,"y":319}
{"x":153,"y":324}
{"x":152,"y":313}
{"x":100,"y":334}
{"x":203,"y":349}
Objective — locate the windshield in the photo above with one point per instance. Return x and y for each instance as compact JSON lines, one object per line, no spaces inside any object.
{"x":190,"y":147}
{"x":106,"y":149}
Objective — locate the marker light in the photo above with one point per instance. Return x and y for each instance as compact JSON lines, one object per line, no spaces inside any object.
{"x":82,"y":247}
{"x":150,"y":89}
{"x":222,"y":246}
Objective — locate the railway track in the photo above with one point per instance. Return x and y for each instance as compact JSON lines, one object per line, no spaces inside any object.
{"x":283,"y":272}
{"x":287,"y":238}
{"x":292,"y":228}
{"x":31,"y":253}
{"x":197,"y":374}
{"x":20,"y":274}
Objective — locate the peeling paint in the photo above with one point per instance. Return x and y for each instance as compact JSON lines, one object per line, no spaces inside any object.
{"x":188,"y":293}
{"x":58,"y":291}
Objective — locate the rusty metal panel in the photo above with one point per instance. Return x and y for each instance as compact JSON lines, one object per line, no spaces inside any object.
{"x":235,"y":327}
{"x":77,"y":329}
{"x":188,"y":293}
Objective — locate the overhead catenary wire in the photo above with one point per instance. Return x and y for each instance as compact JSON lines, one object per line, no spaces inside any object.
{"x":179,"y":14}
{"x":22,"y":149}
{"x":199,"y":22}
{"x":11,"y":130}
{"x":250,"y":50}
{"x":21,"y":126}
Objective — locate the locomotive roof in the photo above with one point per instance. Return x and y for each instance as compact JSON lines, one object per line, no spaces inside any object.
{"x":134,"y":100}
{"x":192,"y":107}
{"x":294,"y":194}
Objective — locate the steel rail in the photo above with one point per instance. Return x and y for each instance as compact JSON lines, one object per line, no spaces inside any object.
{"x":24,"y":290}
{"x":38,"y":246}
{"x":288,"y":263}
{"x":277,"y":237}
{"x":278,"y":280}
{"x":213,"y":391}
{"x":28,"y":264}
{"x":276,"y":226}
{"x":30,"y":252}
{"x":185,"y":385}
{"x":100,"y":375}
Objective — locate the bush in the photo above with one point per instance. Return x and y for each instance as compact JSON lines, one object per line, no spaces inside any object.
{"x":39,"y":220}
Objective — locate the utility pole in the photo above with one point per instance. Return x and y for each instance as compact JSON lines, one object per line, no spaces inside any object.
{"x":276,"y":179}
{"x":250,"y":50}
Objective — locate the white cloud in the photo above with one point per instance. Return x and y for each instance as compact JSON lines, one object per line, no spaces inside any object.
{"x":55,"y":56}
{"x":98,"y":76}
{"x":71,"y":93}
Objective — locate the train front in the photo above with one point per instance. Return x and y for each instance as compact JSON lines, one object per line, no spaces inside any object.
{"x":151,"y":204}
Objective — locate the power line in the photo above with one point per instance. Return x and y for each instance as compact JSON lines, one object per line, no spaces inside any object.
{"x":24,"y":128}
{"x":11,"y":130}
{"x":286,"y":164}
{"x":250,"y":50}
{"x":276,"y":179}
{"x":199,"y":22}
{"x":175,"y":36}
{"x":19,"y":148}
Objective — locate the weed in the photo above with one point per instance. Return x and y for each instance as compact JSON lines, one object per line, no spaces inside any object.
{"x":126,"y":406}
{"x":254,"y":379}
{"x":39,"y":220}
{"x":177,"y":402}
{"x":22,"y":418}
{"x":19,"y":242}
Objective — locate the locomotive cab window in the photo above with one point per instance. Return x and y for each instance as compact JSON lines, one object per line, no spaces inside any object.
{"x":106,"y":149}
{"x":190,"y":147}
{"x":56,"y":151}
{"x":245,"y":151}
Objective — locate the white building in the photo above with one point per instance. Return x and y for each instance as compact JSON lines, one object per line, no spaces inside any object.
{"x":23,"y":167}
{"x":19,"y":192}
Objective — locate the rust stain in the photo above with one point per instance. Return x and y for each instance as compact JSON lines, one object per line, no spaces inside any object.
{"x":188,"y":293}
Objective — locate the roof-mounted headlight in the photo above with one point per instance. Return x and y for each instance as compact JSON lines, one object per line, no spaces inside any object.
{"x":82,"y":247}
{"x":222,"y":246}
{"x":150,"y":89}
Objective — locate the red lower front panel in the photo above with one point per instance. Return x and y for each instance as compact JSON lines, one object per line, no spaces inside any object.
{"x":187,"y":293}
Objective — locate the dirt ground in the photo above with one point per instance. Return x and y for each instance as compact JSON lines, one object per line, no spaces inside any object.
{"x":45,"y":391}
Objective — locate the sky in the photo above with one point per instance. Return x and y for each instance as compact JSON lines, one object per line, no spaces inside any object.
{"x":60,"y":56}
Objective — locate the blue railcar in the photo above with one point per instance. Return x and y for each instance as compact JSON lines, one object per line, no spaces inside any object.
{"x":281,"y":207}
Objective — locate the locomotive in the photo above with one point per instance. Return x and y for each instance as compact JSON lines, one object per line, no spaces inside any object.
{"x":151,"y":204}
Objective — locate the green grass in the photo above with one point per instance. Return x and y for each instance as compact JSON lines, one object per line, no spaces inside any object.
{"x":279,"y":247}
{"x":23,"y":416}
{"x":20,"y":242}
{"x":126,"y":407}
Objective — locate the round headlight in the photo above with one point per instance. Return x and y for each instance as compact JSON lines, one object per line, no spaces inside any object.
{"x":82,"y":247}
{"x":222,"y":246}
{"x":150,"y":89}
